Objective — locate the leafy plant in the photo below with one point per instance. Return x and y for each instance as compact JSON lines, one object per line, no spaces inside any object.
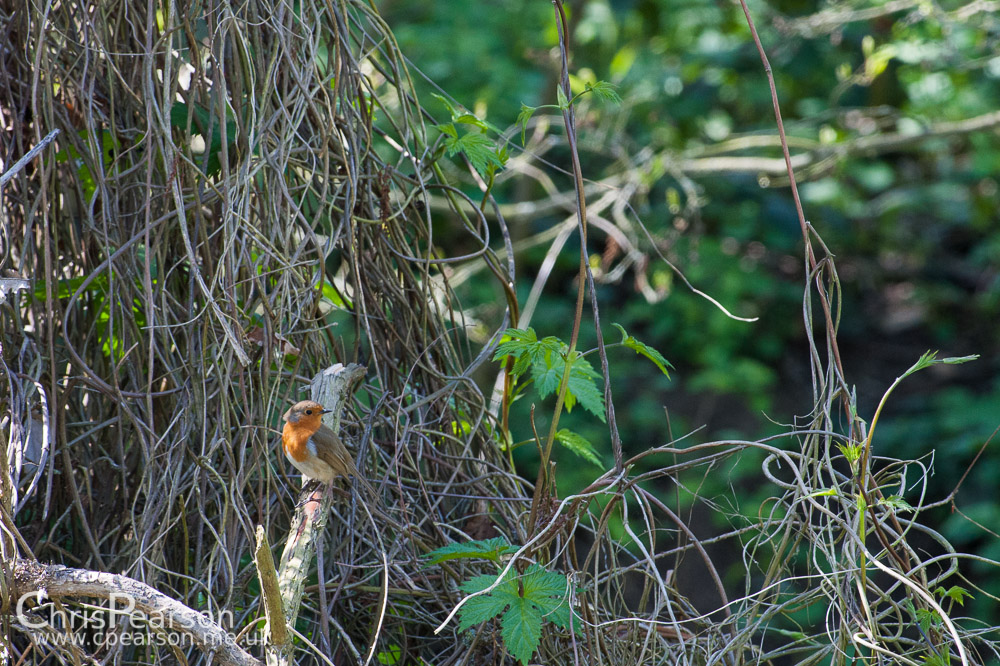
{"x":601,"y":89}
{"x":487,"y":549}
{"x":522,"y":602}
{"x":482,"y":152}
{"x":547,"y":359}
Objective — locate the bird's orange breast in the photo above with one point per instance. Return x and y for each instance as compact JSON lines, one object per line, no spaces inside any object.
{"x":295,"y":441}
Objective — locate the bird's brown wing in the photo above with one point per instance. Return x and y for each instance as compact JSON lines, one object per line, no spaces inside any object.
{"x":332,"y":451}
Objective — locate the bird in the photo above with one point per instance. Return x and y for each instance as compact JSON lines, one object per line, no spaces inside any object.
{"x":314,"y":449}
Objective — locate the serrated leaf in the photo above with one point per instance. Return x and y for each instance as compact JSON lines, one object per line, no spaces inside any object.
{"x":479,"y":583}
{"x":540,"y":584}
{"x":479,"y":609}
{"x":578,"y":445}
{"x":469,"y":119}
{"x":927,"y":618}
{"x":526,"y":348}
{"x":583,"y":387}
{"x":480,"y":150}
{"x":521,"y":629}
{"x":898,"y":503}
{"x":642,"y":348}
{"x":541,"y":596}
{"x":490,"y":549}
{"x":605,"y":91}
{"x":547,"y":371}
{"x":524,"y":117}
{"x":956,"y":593}
{"x":448,"y":130}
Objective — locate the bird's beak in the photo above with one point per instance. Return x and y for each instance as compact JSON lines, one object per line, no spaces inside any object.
{"x":326,"y":411}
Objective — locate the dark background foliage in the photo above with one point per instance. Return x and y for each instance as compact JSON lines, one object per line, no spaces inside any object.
{"x":893,"y":106}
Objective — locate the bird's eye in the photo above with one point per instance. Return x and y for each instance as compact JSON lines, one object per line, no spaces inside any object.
{"x":309,"y":411}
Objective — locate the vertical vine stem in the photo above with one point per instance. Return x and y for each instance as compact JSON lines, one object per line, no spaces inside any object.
{"x":585,"y":280}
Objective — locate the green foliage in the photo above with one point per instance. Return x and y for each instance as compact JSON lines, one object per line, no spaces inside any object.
{"x":601,"y":89}
{"x":897,"y":503}
{"x":522,"y":602}
{"x":579,"y":445}
{"x":486,"y":549}
{"x":202,"y":121}
{"x":482,"y":152}
{"x":108,"y":149}
{"x":645,"y":350}
{"x":956,"y":593}
{"x":547,"y":361}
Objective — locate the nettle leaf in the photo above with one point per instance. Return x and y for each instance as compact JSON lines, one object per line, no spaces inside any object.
{"x":547,"y":371}
{"x":605,"y":91}
{"x":583,"y":387}
{"x":489,"y":549}
{"x":480,"y":609}
{"x":578,"y":445}
{"x":928,"y":618}
{"x":644,"y":349}
{"x":546,"y":358}
{"x":448,"y":129}
{"x":956,"y":593}
{"x":526,"y":348}
{"x":898,"y":503}
{"x":521,"y":629}
{"x":480,"y":150}
{"x":524,"y":117}
{"x":542,"y":595}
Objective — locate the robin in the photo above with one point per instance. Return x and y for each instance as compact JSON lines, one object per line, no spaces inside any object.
{"x":314,"y":449}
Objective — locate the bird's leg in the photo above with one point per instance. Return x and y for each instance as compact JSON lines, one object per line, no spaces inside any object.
{"x":310,"y":493}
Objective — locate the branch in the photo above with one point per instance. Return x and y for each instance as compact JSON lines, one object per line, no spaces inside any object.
{"x":331,"y":388}
{"x":54,"y":581}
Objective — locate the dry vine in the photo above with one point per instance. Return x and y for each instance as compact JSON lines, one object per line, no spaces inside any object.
{"x":243,"y":194}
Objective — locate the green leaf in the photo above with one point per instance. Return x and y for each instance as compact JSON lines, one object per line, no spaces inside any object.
{"x":578,"y":445}
{"x":930,"y":358}
{"x":332,"y":295}
{"x":452,"y":111}
{"x":644,"y":349}
{"x":525,"y":347}
{"x":561,"y":97}
{"x":448,"y":129}
{"x":583,"y":387}
{"x":521,"y":629}
{"x":927,"y":618}
{"x":480,"y":609}
{"x":956,"y":593}
{"x":852,"y":452}
{"x":546,"y":359}
{"x":489,"y":549}
{"x":605,"y":91}
{"x":547,"y":371}
{"x":391,"y":655}
{"x":477,"y":147}
{"x":524,"y":117}
{"x":898,"y":503}
{"x":542,"y":595}
{"x":469,"y":119}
